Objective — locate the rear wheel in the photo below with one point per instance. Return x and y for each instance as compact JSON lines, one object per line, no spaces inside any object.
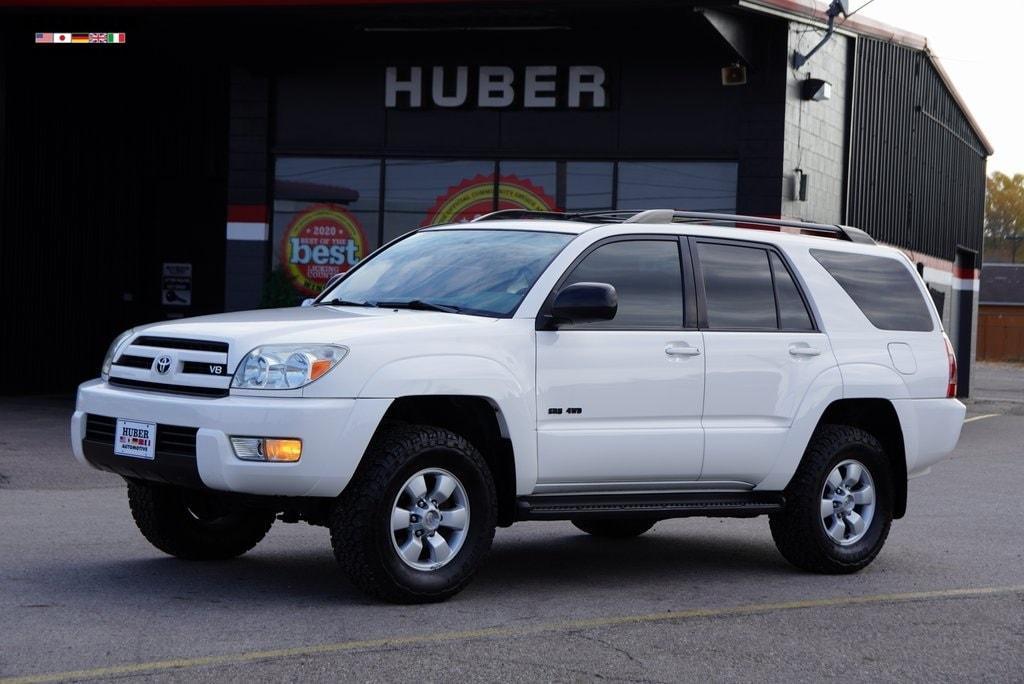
{"x":195,"y":525}
{"x":839,"y":504}
{"x":415,"y":523}
{"x":622,"y":528}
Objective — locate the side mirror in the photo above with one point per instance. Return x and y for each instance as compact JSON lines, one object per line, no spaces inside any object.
{"x":308,"y":301}
{"x":585,"y":303}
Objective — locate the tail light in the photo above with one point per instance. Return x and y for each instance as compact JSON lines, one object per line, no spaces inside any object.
{"x":951,"y":385}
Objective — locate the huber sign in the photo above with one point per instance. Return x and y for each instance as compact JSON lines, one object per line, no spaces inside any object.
{"x":496,"y":87}
{"x":321,"y":241}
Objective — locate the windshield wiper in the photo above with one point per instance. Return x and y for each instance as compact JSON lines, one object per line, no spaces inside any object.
{"x":344,"y":302}
{"x":419,"y":305}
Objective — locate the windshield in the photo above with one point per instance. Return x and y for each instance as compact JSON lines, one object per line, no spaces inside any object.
{"x":483,"y":272}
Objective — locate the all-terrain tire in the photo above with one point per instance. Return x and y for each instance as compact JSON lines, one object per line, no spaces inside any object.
{"x":622,"y":528}
{"x":799,"y":531}
{"x":361,"y":525}
{"x":195,"y":525}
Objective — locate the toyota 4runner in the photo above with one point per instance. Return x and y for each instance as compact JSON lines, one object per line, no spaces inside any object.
{"x":611,"y":369}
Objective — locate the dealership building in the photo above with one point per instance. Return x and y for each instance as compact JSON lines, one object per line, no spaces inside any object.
{"x":227,"y":156}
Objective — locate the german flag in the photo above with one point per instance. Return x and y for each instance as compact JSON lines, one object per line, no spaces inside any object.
{"x":79,"y":37}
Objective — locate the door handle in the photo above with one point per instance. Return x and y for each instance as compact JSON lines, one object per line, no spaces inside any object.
{"x":681,"y":350}
{"x":803,"y":350}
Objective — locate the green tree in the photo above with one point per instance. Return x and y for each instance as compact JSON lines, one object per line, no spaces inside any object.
{"x":1004,"y":214}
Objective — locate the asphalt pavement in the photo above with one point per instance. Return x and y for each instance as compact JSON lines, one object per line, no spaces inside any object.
{"x":83,"y":596}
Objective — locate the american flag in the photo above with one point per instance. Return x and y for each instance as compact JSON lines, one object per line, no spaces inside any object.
{"x":44,"y":37}
{"x":97,"y":37}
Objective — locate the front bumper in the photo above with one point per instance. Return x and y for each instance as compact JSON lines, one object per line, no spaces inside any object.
{"x":334,"y":434}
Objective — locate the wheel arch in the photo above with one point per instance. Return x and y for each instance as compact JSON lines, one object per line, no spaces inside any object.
{"x":879,"y":418}
{"x":477,"y":418}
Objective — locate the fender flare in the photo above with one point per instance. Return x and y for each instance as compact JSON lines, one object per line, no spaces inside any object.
{"x":849,"y":381}
{"x":468,"y":375}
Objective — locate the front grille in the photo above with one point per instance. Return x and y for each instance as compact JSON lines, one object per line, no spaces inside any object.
{"x":197,"y":368}
{"x":179,"y":343}
{"x":171,"y":440}
{"x":134,"y":361}
{"x":190,"y":390}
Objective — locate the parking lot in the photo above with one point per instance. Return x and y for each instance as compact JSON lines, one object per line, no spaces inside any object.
{"x":83,"y":596}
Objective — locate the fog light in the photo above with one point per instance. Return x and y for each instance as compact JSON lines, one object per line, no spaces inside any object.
{"x":267,"y":449}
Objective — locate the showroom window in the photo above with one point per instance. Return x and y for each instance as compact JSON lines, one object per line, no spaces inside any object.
{"x":696,"y":186}
{"x":422,"y":192}
{"x":326,"y":215}
{"x":329,"y":213}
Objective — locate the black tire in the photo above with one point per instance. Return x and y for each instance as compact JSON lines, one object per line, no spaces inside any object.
{"x":360,"y":523}
{"x":195,"y":525}
{"x":621,"y":528}
{"x":798,"y":530}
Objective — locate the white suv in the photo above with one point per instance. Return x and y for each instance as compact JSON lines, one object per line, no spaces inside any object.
{"x":611,"y":369}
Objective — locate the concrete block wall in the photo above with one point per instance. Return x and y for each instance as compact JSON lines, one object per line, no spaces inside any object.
{"x":815,"y":132}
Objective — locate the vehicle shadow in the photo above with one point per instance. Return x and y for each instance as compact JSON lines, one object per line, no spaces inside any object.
{"x":535,"y":565}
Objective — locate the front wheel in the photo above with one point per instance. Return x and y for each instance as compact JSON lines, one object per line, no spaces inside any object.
{"x":415,"y":523}
{"x":839,"y":504}
{"x":195,"y":525}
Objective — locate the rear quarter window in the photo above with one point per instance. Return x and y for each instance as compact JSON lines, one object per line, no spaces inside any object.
{"x":883,"y":289}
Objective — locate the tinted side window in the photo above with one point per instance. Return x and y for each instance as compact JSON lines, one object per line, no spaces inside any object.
{"x":737,"y":287}
{"x":883,"y":289}
{"x":793,"y":314}
{"x":648,"y":278}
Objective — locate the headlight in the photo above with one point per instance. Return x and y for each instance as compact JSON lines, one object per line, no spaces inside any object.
{"x":112,"y":352}
{"x":286,"y":366}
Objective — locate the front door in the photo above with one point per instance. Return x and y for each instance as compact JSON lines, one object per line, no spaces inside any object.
{"x":620,"y":401}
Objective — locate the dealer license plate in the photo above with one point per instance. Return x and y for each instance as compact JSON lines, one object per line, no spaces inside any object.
{"x":135,"y":439}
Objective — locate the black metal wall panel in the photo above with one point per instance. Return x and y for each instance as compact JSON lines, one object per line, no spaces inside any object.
{"x":114,"y":164}
{"x":917,"y":169}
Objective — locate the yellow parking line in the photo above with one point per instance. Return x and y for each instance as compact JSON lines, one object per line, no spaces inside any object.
{"x":506,"y":632}
{"x":987,"y":415}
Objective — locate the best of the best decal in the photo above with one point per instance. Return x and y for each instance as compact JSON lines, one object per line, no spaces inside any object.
{"x":474,"y":197}
{"x":320,"y":242}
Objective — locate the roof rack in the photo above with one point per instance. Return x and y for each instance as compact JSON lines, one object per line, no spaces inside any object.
{"x":673,"y":216}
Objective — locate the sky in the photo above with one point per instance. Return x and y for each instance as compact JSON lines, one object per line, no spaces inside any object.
{"x":980,"y":45}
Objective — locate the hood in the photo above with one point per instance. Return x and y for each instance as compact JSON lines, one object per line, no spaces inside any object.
{"x":244,"y":330}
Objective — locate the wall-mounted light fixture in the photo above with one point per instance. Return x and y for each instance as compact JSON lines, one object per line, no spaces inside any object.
{"x":733,"y":75}
{"x":836,"y":8}
{"x":815,"y":89}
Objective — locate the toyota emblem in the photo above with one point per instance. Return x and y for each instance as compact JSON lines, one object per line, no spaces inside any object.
{"x":163,"y":364}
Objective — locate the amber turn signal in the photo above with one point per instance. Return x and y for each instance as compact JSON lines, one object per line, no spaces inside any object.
{"x":282,"y":450}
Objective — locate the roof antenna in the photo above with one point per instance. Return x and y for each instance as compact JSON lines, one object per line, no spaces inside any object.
{"x":834,"y":10}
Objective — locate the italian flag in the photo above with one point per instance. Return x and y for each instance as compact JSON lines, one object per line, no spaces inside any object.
{"x":115,"y":37}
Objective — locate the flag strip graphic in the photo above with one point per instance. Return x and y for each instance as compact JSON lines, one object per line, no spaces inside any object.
{"x":69,"y":38}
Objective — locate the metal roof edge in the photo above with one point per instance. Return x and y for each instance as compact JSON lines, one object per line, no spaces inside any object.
{"x":807,"y":11}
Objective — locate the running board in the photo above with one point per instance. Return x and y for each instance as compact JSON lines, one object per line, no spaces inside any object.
{"x":660,"y":506}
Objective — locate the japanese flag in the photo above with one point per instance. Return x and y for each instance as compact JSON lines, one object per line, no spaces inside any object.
{"x":62,"y":38}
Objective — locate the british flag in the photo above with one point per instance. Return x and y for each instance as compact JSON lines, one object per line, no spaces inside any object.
{"x":97,"y":37}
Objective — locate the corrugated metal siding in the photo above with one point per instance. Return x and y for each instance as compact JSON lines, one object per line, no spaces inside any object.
{"x":917,"y":174}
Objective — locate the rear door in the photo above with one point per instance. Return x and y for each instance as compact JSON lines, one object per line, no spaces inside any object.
{"x":619,"y":402}
{"x":763,"y":351}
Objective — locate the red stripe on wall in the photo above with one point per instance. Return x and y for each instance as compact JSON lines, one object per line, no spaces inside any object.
{"x":247,"y":213}
{"x":965,"y":273}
